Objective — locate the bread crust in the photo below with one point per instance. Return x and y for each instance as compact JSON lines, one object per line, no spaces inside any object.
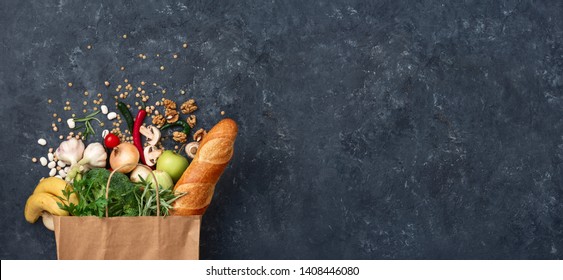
{"x":199,"y":179}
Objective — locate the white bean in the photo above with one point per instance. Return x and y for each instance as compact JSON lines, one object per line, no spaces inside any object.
{"x":43,"y":161}
{"x":61,"y":163}
{"x":104,"y":109}
{"x":42,"y":142}
{"x":105,"y":133}
{"x":66,"y":169}
{"x":52,"y":164}
{"x":50,"y":156}
{"x":59,"y":176}
{"x":70,"y":123}
{"x":112,"y":116}
{"x":52,"y":172}
{"x":62,"y":173}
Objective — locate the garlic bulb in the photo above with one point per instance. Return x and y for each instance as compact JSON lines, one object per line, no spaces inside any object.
{"x":70,"y":151}
{"x":94,"y":156}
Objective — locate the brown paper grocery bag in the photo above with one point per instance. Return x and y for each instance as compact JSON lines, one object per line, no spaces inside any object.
{"x":127,"y":238}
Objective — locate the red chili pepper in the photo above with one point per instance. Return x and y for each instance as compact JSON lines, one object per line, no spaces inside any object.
{"x":137,"y":133}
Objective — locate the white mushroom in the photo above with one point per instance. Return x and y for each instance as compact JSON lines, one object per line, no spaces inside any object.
{"x":151,"y":133}
{"x":151,"y":155}
{"x":191,"y":149}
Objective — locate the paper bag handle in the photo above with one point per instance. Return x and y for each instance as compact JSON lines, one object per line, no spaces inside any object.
{"x":153,"y":177}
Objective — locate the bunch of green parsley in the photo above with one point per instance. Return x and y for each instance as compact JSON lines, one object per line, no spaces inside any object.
{"x":125,"y":197}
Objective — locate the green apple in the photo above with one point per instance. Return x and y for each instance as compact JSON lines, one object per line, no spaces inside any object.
{"x":164,"y":180}
{"x":172,"y":163}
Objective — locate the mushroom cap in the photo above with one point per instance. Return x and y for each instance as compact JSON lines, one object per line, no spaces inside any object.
{"x":151,"y":154}
{"x":152,"y":133}
{"x":191,"y":149}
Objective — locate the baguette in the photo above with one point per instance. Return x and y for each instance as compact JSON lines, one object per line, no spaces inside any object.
{"x":199,"y":179}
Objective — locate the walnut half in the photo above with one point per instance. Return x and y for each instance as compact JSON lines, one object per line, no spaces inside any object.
{"x":198,"y":135}
{"x":158,"y":120}
{"x":191,"y":121}
{"x":169,"y":104}
{"x":179,"y":137}
{"x":171,"y":115}
{"x":188,"y":107}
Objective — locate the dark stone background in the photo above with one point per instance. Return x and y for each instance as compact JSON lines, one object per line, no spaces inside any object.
{"x":368,"y":129}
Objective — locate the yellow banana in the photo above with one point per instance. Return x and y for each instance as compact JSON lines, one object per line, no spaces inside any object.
{"x":39,"y":202}
{"x":56,"y":186}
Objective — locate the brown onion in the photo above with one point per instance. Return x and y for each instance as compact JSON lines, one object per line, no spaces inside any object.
{"x":124,"y":153}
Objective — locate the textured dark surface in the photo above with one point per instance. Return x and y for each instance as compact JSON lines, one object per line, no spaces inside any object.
{"x":368,"y":129}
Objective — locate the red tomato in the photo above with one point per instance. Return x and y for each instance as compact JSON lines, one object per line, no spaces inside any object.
{"x":111,"y":141}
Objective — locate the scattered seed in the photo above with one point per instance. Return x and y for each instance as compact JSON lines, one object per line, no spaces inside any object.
{"x":222,"y":113}
{"x":50,"y":150}
{"x":161,"y":68}
{"x":124,"y":36}
{"x":55,"y":129}
{"x":69,"y":84}
{"x":142,"y":83}
{"x":185,"y":45}
{"x":89,"y":47}
{"x":106,"y":83}
{"x":34,"y":159}
{"x":49,"y":101}
{"x":122,"y":68}
{"x":175,"y":56}
{"x":61,"y":137}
